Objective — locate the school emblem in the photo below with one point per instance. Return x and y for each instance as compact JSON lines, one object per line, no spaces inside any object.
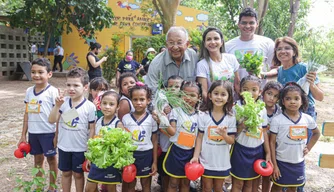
{"x":138,"y":135}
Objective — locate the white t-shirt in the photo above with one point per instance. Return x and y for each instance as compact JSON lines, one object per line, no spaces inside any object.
{"x":215,"y":153}
{"x":186,"y":125}
{"x":100,"y":123}
{"x":44,"y":101}
{"x":277,"y":111}
{"x":223,"y":70}
{"x":248,"y":139}
{"x":132,"y":109}
{"x":260,"y":44}
{"x":141,"y":131}
{"x":288,"y":148}
{"x":74,"y":125}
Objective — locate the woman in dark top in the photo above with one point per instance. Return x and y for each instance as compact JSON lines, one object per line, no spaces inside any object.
{"x":94,"y":63}
{"x":128,"y":65}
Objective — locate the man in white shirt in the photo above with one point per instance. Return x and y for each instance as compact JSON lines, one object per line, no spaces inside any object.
{"x":58,"y":57}
{"x":249,"y":42}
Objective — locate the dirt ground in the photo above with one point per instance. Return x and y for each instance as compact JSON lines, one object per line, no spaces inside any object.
{"x":11,"y":117}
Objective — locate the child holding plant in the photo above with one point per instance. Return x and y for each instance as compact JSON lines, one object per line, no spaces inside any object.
{"x":144,"y":133}
{"x":39,"y":101}
{"x":250,"y":143}
{"x":288,"y":139}
{"x":216,"y":130}
{"x":75,"y":116}
{"x":270,"y":96}
{"x":183,"y":130}
{"x":109,"y":176}
{"x":126,"y":81}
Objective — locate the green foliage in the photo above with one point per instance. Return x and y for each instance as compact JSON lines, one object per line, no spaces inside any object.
{"x":140,"y":45}
{"x":112,"y":147}
{"x":114,"y":57}
{"x":249,"y":113}
{"x":37,"y":183}
{"x":252,"y":63}
{"x":8,"y":6}
{"x":196,"y":37}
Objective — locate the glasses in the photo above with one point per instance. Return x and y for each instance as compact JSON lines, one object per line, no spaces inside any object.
{"x":245,"y":23}
{"x":288,"y":48}
{"x":178,"y":44}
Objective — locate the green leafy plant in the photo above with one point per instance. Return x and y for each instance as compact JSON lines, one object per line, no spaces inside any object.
{"x":140,"y":45}
{"x":252,"y":63}
{"x":249,"y":113}
{"x":114,"y":57}
{"x":36,"y":184}
{"x":112,"y":147}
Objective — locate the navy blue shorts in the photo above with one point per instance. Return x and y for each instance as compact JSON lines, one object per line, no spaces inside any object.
{"x":175,"y":161}
{"x":293,"y":174}
{"x":42,"y":144}
{"x":160,"y":162}
{"x":71,"y":161}
{"x":110,"y":175}
{"x":143,"y":162}
{"x":216,"y":174}
{"x":242,"y":160}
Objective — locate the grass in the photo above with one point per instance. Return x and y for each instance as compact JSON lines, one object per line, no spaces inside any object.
{"x":326,"y":78}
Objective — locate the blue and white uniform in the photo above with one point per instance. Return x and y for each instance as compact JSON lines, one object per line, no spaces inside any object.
{"x":291,"y":139}
{"x":123,"y":97}
{"x":110,"y":175}
{"x":215,"y":155}
{"x":142,"y":131}
{"x":248,"y":147}
{"x":183,"y":142}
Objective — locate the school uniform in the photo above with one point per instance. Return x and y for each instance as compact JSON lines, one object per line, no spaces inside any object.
{"x":109,"y":175}
{"x":142,"y":132}
{"x":183,"y":142}
{"x":74,"y":133}
{"x":248,"y":147}
{"x":291,"y":139}
{"x":123,"y":97}
{"x":215,"y":155}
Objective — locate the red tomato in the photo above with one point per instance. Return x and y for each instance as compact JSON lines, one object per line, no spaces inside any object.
{"x":129,"y":173}
{"x":85,"y":168}
{"x":263,"y":168}
{"x":194,"y":170}
{"x":25,"y":147}
{"x":159,"y":151}
{"x":18,"y":154}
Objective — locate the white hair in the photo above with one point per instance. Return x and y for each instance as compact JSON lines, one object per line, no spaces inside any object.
{"x":177,"y":29}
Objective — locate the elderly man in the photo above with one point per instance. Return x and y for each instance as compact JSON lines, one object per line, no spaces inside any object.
{"x":178,"y":60}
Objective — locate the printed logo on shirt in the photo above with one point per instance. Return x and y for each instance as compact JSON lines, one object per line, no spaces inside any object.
{"x":138,"y":135}
{"x":189,"y":126}
{"x":128,"y":66}
{"x":33,"y":106}
{"x":73,"y":123}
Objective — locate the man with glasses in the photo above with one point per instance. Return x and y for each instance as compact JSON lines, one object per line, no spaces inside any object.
{"x":178,"y":59}
{"x":249,"y":42}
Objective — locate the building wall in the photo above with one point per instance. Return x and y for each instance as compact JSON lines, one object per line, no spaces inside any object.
{"x":128,"y":21}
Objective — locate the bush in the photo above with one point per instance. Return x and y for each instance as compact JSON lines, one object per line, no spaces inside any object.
{"x":140,"y":45}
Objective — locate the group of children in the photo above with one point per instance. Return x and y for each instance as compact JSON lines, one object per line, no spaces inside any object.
{"x":212,"y":137}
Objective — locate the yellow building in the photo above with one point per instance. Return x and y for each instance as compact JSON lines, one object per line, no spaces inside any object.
{"x":128,"y":21}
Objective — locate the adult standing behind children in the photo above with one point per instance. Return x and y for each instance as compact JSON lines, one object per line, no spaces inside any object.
{"x":94,"y":63}
{"x":216,"y":64}
{"x":39,"y":101}
{"x":75,"y":117}
{"x":178,"y":60}
{"x":249,"y":42}
{"x":128,"y":65}
{"x":58,"y":57}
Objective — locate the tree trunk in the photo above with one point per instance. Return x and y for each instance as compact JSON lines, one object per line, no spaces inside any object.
{"x":294,"y":7}
{"x":169,"y":10}
{"x":47,"y":43}
{"x":262,"y":10}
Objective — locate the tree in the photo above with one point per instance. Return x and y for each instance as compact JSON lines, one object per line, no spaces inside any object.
{"x":294,"y":7}
{"x":53,"y":17}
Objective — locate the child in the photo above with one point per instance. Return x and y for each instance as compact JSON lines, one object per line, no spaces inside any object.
{"x":288,"y":138}
{"x":109,"y":176}
{"x":75,"y":116}
{"x":183,"y":130}
{"x":143,"y":128}
{"x":249,"y":146}
{"x":174,"y":84}
{"x":39,"y":101}
{"x":126,"y":81}
{"x":97,"y":86}
{"x":217,"y":127}
{"x":270,"y":95}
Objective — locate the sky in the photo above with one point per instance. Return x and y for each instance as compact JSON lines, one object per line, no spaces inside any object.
{"x":321,"y":14}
